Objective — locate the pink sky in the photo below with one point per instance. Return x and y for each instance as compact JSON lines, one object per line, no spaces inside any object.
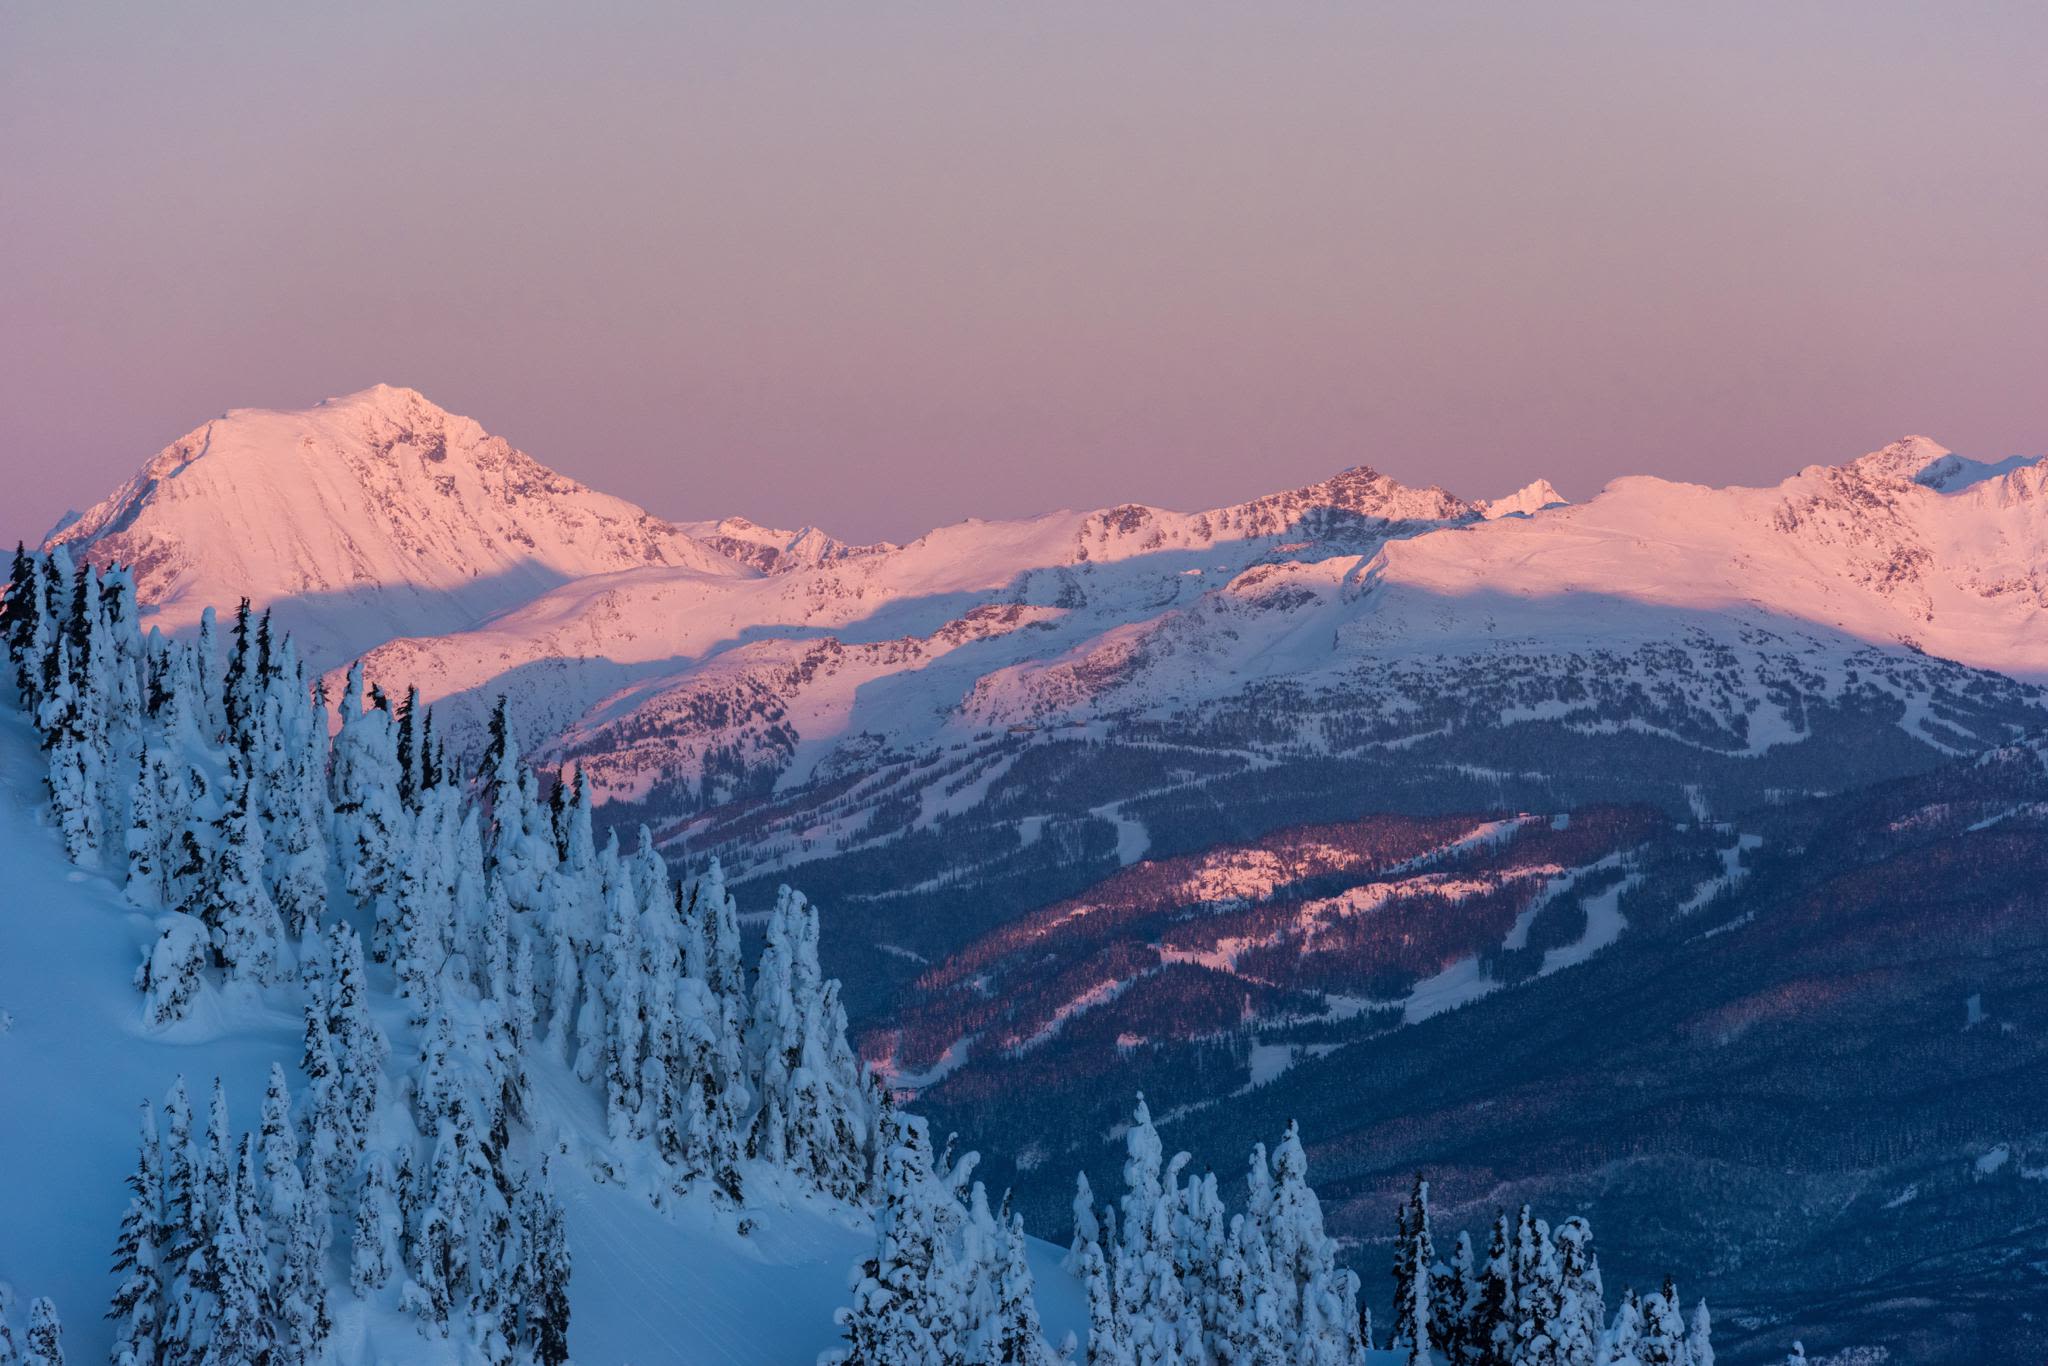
{"x":882,"y":266}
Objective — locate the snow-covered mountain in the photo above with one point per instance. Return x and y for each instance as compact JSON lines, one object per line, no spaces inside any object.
{"x":360,"y":517}
{"x":681,"y":666}
{"x":1726,"y":611}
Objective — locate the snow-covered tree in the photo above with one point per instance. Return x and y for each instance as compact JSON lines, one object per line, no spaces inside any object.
{"x":1699,"y":1338}
{"x":137,"y":1308}
{"x":44,"y":1343}
{"x":174,"y":970}
{"x":247,"y":934}
{"x":1414,"y":1271}
{"x":375,"y":1254}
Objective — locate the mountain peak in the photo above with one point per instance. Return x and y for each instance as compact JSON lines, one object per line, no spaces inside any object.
{"x":1531,"y":497}
{"x":1903,"y":461}
{"x":359,"y":510}
{"x":387,"y":396}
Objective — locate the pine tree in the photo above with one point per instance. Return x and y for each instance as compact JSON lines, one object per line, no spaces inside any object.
{"x":1663,"y":1338}
{"x":248,"y":936}
{"x":174,"y":970}
{"x":1022,"y":1342}
{"x":375,"y":1252}
{"x":358,"y":1045}
{"x":1492,"y":1332}
{"x":1455,"y":1305}
{"x":893,"y":1317}
{"x":548,"y":1269}
{"x":137,"y":1308}
{"x":1416,"y":1313}
{"x":1087,"y":1229}
{"x":19,"y":623}
{"x":1699,"y":1339}
{"x":44,"y":1345}
{"x":1414,"y":1263}
{"x":238,"y":696}
{"x":408,"y":751}
{"x":1582,"y":1313}
{"x":1540,"y":1294}
{"x":1625,"y":1336}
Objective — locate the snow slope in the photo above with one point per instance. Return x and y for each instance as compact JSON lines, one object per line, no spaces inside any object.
{"x":75,"y":1062}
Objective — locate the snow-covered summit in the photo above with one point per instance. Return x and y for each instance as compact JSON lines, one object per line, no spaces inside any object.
{"x":1530,"y":498}
{"x":774,"y":551}
{"x":1906,"y":459}
{"x":370,"y":509}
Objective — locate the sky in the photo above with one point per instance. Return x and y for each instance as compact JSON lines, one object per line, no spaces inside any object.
{"x":879,"y":267}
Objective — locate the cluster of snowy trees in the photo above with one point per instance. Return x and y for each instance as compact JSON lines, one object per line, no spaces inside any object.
{"x":948,"y":1283}
{"x":1171,"y":1282}
{"x":284,"y":849}
{"x":1536,"y":1300}
{"x":1169,"y":1279}
{"x":224,"y":1249}
{"x":40,"y":1343}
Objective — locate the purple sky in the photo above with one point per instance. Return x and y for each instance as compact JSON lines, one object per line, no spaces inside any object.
{"x":882,"y":266}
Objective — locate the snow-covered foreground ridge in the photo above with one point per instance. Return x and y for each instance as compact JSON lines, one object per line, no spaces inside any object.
{"x":506,"y":1038}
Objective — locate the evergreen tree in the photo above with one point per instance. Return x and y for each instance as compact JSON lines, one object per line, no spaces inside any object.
{"x":548,"y":1270}
{"x":408,"y":751}
{"x":1699,"y":1339}
{"x":1625,"y":1335}
{"x":1663,"y":1335}
{"x":44,"y":1345}
{"x":238,"y":696}
{"x":1022,"y":1342}
{"x":137,"y":1308}
{"x":1087,"y":1229}
{"x":1492,"y":1332}
{"x":1455,"y":1307}
{"x":1414,"y":1266}
{"x":1539,"y":1294}
{"x":174,"y":970}
{"x":1582,"y":1311}
{"x":20,"y":619}
{"x":899,"y":1312}
{"x":375,"y":1253}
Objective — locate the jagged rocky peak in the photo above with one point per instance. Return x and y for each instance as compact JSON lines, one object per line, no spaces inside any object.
{"x":774,"y":551}
{"x":1364,"y":490}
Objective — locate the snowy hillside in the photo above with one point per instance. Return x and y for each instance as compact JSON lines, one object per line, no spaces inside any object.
{"x":76,"y":1060}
